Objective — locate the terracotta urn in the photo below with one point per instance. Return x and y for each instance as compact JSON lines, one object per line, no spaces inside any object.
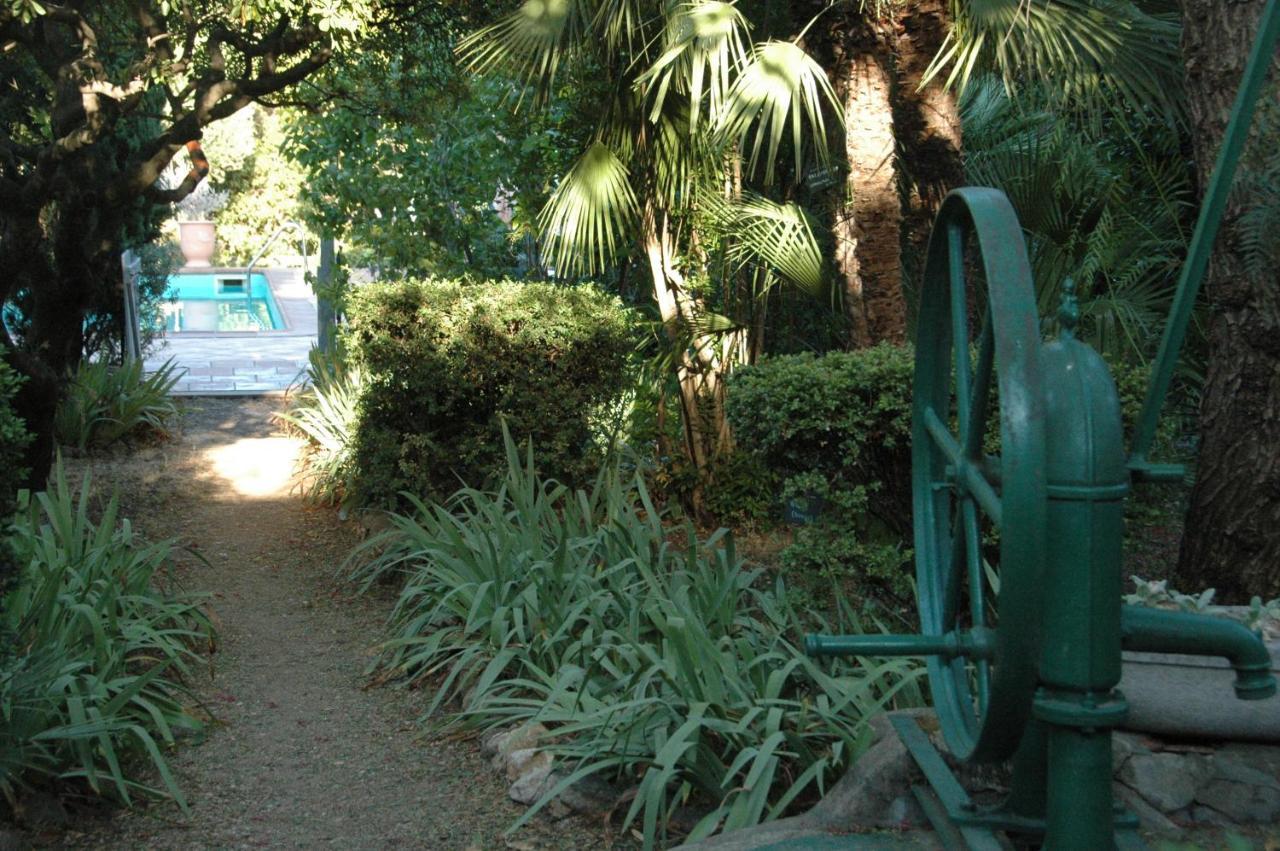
{"x":196,"y":240}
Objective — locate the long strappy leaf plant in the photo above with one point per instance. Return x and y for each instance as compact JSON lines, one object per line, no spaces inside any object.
{"x":694,"y":111}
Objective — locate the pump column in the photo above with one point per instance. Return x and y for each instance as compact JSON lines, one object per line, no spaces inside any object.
{"x":1080,"y":656}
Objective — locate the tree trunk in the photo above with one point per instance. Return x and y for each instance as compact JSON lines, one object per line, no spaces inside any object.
{"x":868,"y":225}
{"x":927,"y":126}
{"x":1232,"y":538}
{"x":699,"y":364}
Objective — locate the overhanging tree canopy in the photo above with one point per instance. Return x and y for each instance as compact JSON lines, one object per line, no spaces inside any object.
{"x":96,"y":98}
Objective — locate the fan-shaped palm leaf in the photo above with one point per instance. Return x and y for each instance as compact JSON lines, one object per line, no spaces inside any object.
{"x":529,"y":43}
{"x":780,"y":237}
{"x":590,"y":212}
{"x":624,"y":25}
{"x":780,"y":87}
{"x":1083,"y":49}
{"x":702,"y":50}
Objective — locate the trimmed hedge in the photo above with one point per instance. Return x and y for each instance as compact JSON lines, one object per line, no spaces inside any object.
{"x":832,"y":422}
{"x":836,"y":427}
{"x":444,"y":362}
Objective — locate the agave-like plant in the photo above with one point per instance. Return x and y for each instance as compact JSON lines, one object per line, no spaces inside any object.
{"x":666,"y":665}
{"x":105,"y":403}
{"x":94,"y":690}
{"x":324,"y":412}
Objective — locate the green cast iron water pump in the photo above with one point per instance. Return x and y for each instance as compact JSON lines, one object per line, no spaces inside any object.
{"x":1019,"y":476}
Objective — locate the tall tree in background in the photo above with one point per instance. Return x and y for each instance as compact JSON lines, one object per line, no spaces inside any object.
{"x":96,"y":98}
{"x":694,"y":126}
{"x":896,"y":65}
{"x":406,"y":154}
{"x":1232,"y":538}
{"x":901,"y":149}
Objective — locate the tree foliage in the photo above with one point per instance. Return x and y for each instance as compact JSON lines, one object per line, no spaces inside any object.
{"x":415,"y":165}
{"x":96,"y":98}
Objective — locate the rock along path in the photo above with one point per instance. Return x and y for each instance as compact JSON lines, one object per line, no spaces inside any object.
{"x":302,"y":755}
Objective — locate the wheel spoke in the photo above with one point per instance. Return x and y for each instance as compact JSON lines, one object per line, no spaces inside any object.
{"x":974,"y":427}
{"x":973,"y":563}
{"x":968,"y":476}
{"x":951,"y":576}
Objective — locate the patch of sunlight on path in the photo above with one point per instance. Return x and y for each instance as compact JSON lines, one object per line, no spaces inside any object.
{"x":256,"y":467}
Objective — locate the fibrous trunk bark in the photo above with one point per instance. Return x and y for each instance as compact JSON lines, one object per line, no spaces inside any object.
{"x":868,"y":225}
{"x":700,"y":360}
{"x":1232,"y":537}
{"x":926,"y":122}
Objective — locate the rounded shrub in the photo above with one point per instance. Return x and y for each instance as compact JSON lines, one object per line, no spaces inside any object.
{"x":446,"y":362}
{"x":842,"y":421}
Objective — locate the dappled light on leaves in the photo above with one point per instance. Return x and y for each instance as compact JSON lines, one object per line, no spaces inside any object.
{"x":781,"y":88}
{"x":585,"y":220}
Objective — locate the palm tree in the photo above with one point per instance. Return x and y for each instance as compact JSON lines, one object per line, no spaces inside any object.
{"x":898,"y":67}
{"x":700,"y":142}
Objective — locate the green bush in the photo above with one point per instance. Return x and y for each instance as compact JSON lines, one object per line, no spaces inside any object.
{"x":105,"y":403}
{"x":94,"y":689}
{"x":659,"y":663}
{"x":844,"y":416}
{"x":835,"y":430}
{"x":14,"y":439}
{"x":444,"y":362}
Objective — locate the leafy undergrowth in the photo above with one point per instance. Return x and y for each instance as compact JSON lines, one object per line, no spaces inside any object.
{"x":324,"y":413}
{"x":91,"y":687}
{"x":105,"y":403}
{"x":662,"y":665}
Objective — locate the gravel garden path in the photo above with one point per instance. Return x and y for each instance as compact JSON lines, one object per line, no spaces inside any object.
{"x":302,"y":755}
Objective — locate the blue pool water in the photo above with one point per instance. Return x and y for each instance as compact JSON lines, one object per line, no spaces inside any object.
{"x":218,"y":302}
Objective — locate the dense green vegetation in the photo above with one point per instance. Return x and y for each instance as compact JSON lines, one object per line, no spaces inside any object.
{"x":93,"y":690}
{"x":445,"y":363}
{"x":105,"y":403}
{"x":674,"y":249}
{"x":671,"y":665}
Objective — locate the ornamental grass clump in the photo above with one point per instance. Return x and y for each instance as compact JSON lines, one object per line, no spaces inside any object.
{"x":97,"y":651}
{"x":656,"y":658}
{"x":324,"y":413}
{"x":105,"y":403}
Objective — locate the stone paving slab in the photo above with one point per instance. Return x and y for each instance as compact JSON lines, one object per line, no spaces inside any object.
{"x":250,"y":363}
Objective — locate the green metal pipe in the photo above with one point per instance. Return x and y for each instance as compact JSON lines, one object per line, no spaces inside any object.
{"x":974,"y":644}
{"x":1079,"y":813}
{"x":1156,"y":631}
{"x":1215,"y":202}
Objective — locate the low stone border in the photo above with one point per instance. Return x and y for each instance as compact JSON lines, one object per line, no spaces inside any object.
{"x":514,"y":752}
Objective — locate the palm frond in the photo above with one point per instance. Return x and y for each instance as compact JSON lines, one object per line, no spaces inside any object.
{"x":624,"y":26}
{"x":1086,"y":50}
{"x":779,"y":236}
{"x":589,"y":214}
{"x":780,"y":88}
{"x":531,"y":43}
{"x":702,"y":50}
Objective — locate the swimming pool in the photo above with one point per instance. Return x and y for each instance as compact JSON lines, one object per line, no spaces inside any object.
{"x":218,"y":301}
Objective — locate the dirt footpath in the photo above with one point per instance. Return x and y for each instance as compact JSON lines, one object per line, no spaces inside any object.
{"x":302,"y":755}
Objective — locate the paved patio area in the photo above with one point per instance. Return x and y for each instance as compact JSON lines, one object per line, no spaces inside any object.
{"x":250,"y":363}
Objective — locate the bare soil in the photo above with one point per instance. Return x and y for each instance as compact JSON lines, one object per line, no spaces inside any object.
{"x":301,"y":754}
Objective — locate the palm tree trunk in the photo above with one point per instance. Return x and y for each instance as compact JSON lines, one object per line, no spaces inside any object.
{"x":1232,"y":540}
{"x":927,"y":126}
{"x":868,"y":226}
{"x":700,"y":362}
